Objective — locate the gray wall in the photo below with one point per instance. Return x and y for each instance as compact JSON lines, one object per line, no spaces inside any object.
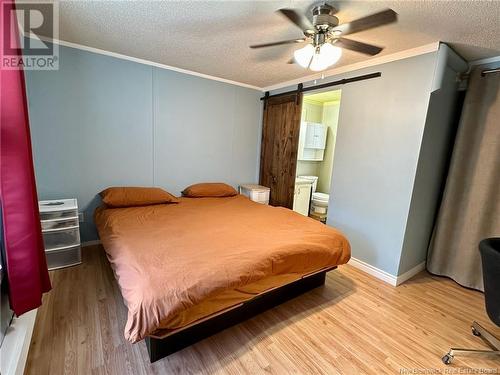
{"x":379,"y":132}
{"x":100,"y":121}
{"x":429,"y":178}
{"x":435,"y":151}
{"x":380,"y":128}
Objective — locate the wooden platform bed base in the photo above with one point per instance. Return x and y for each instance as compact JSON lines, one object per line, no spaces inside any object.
{"x":161,"y":347}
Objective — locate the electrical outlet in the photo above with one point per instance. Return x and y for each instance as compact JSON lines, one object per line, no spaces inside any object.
{"x":81,"y":217}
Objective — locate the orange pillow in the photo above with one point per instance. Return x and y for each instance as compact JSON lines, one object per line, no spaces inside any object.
{"x":136,"y":196}
{"x":209,"y":189}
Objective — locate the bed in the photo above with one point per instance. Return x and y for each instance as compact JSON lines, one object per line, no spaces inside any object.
{"x":190,"y":269}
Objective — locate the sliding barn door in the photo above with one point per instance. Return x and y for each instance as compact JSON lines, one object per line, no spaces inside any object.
{"x":280,"y":139}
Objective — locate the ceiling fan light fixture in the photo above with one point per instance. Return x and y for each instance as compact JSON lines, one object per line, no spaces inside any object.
{"x":318,"y":63}
{"x":325,"y":57}
{"x":331,"y":52}
{"x":304,"y":55}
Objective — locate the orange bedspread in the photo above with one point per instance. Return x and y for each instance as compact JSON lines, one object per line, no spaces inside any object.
{"x":169,"y":258}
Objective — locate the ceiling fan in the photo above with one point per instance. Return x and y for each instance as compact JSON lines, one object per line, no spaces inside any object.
{"x":325,"y":35}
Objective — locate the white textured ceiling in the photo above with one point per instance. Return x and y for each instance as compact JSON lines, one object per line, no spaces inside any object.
{"x":212,"y":37}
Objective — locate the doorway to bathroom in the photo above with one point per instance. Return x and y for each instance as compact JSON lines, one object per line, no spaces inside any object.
{"x":318,"y":131}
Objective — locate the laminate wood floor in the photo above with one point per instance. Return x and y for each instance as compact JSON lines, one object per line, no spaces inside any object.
{"x":354,"y":324}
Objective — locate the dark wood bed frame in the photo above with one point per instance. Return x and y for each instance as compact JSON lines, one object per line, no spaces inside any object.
{"x":161,"y":347}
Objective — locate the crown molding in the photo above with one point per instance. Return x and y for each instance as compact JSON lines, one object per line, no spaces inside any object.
{"x":422,"y":50}
{"x":143,"y":61}
{"x":431,"y":47}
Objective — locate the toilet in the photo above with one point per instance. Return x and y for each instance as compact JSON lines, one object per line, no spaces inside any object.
{"x":319,"y":201}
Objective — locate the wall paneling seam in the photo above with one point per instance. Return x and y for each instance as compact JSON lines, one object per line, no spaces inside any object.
{"x":233,"y":129}
{"x":153,"y":123}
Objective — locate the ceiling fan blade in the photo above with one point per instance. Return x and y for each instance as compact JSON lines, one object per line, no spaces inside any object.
{"x":290,"y":41}
{"x":353,"y":45}
{"x":378,"y":19}
{"x":299,"y":20}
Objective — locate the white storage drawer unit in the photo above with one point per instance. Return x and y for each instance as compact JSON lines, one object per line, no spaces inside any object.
{"x":56,"y":215}
{"x":256,"y":193}
{"x":52,"y":224}
{"x":61,"y":232}
{"x":63,"y":258}
{"x":60,"y":238}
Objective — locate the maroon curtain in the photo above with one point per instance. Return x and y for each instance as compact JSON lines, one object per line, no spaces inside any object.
{"x":25,"y":260}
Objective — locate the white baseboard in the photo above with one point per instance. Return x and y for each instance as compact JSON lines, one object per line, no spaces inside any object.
{"x":16,"y":344}
{"x":374,"y":271}
{"x":91,"y":243}
{"x":410,"y":273}
{"x":385,"y":276}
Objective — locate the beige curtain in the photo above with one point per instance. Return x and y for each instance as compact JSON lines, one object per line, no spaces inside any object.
{"x":470,"y":209}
